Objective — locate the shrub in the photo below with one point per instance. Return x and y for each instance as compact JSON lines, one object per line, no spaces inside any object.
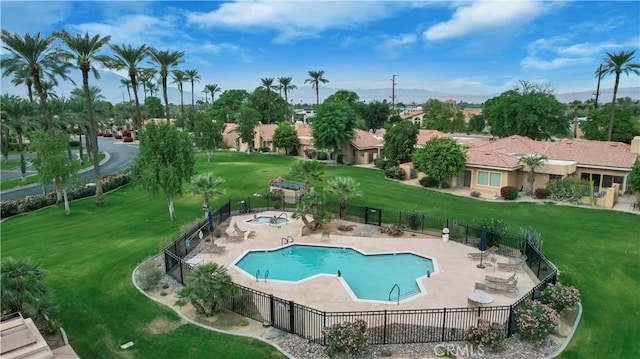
{"x":395,"y":173}
{"x":51,"y":327}
{"x":74,"y":143}
{"x":485,"y":334}
{"x":322,"y":156}
{"x":310,"y":153}
{"x":564,"y":190}
{"x":394,"y":230}
{"x":532,"y":236}
{"x":414,"y":221}
{"x":509,"y":192}
{"x":149,"y":275}
{"x":428,"y":181}
{"x":475,"y":194}
{"x":535,"y":321}
{"x":126,"y":133}
{"x":541,"y":193}
{"x":263,"y":149}
{"x":118,"y":137}
{"x":380,"y":163}
{"x":348,"y":338}
{"x":107,"y":134}
{"x":566,"y":277}
{"x":560,"y":297}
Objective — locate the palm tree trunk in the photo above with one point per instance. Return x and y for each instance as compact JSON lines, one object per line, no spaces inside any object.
{"x":138,"y":121}
{"x":613,"y":107}
{"x":43,"y":100}
{"x":208,"y":155}
{"x":317,"y":96}
{"x":193,"y":103}
{"x":93,"y":133}
{"x":23,"y":164}
{"x":80,"y":148}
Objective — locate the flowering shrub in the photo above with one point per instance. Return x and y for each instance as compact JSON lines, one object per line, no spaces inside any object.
{"x":535,"y":321}
{"x":560,"y":297}
{"x":485,"y":333}
{"x":541,"y":193}
{"x":509,"y":192}
{"x":349,"y":338}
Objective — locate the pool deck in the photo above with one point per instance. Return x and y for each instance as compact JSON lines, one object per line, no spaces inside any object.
{"x":449,"y":288}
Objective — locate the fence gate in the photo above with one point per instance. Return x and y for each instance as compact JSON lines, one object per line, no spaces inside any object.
{"x":373,"y":216}
{"x":281,"y":314}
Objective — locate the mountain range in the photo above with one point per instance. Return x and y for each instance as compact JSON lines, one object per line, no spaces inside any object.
{"x":114,"y":92}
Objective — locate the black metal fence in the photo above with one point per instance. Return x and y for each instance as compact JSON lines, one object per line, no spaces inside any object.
{"x":384,"y":326}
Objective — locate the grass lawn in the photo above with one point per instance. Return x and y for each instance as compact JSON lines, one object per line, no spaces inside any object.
{"x":31,"y":179}
{"x":90,"y":256}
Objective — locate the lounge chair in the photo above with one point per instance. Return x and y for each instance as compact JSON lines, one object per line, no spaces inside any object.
{"x":512,"y":265}
{"x":480,"y":287}
{"x":510,"y":288}
{"x":493,"y":279}
{"x":233,"y":237}
{"x":246,"y":234}
{"x":485,"y":254}
{"x":213,"y":248}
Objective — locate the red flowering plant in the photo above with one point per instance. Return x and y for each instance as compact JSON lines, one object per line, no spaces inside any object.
{"x":560,"y":297}
{"x":535,"y":321}
{"x":348,"y":339}
{"x":485,"y":334}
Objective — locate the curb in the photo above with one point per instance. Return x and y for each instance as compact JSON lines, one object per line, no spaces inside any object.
{"x":568,"y":338}
{"x":204,"y":326}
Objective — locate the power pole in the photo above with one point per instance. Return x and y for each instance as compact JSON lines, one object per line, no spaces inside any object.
{"x":393,"y":94}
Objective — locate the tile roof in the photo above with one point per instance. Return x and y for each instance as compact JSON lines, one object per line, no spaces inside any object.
{"x":412,"y":114}
{"x":592,"y":153}
{"x":516,"y":144}
{"x":304,"y":130}
{"x":267,"y":130}
{"x":494,"y":158}
{"x":230,"y":127}
{"x":426,"y":135}
{"x":365,"y":139}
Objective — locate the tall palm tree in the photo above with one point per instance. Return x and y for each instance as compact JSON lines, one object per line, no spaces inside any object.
{"x":23,"y":287}
{"x":286,"y":85}
{"x":315,"y":78}
{"x":307,"y":170}
{"x":179,"y":78}
{"x":618,"y":63}
{"x":267,"y":85}
{"x":193,"y":77}
{"x":206,"y":185}
{"x":575,"y":106}
{"x":344,"y":188}
{"x":213,"y":89}
{"x":37,"y":56}
{"x":165,"y":60}
{"x":84,"y":49}
{"x":127,"y":84}
{"x":533,"y":162}
{"x":145,"y":78}
{"x":18,"y":116}
{"x":599,"y":74}
{"x":20,"y":76}
{"x":95,"y":95}
{"x":129,"y":58}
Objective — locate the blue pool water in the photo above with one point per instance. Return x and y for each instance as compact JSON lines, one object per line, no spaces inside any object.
{"x":369,"y":277}
{"x":266,"y":220}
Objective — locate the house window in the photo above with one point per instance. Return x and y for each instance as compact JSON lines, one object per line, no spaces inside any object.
{"x":555,"y":177}
{"x":492,"y":179}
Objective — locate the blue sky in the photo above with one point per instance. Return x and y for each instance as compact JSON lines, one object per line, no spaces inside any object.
{"x":460,"y":47}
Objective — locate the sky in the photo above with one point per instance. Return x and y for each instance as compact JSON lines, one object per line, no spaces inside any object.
{"x":457,"y":47}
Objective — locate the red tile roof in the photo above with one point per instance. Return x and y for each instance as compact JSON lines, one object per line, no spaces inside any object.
{"x":365,"y":139}
{"x":267,"y":130}
{"x":516,"y":144}
{"x":496,"y":158}
{"x":230,"y":127}
{"x":592,"y":153}
{"x":426,"y":135}
{"x":303,"y":130}
{"x":412,"y":114}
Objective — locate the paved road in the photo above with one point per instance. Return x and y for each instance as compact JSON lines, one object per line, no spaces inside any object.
{"x":121,"y":156}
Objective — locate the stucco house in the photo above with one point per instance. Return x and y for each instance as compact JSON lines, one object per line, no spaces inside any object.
{"x":364,"y":148}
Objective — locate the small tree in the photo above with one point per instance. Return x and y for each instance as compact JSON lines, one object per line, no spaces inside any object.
{"x":634,"y":178}
{"x":165,"y":160}
{"x":205,"y":287}
{"x":312,"y":204}
{"x":285,"y":136}
{"x":440,"y":158}
{"x":207,"y":186}
{"x":400,"y":140}
{"x":333,"y":126}
{"x":307,"y":170}
{"x":207,"y":132}
{"x":532,"y":162}
{"x":53,"y":163}
{"x":23,"y":287}
{"x":343,"y":187}
{"x":247,"y":118}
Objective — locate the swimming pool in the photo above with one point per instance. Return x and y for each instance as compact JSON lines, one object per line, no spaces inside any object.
{"x":366,"y":276}
{"x":266,"y":220}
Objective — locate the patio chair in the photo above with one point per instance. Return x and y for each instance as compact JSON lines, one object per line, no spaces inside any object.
{"x":246,"y":234}
{"x":513,"y":264}
{"x":485,"y":254}
{"x":213,"y":248}
{"x":233,"y":237}
{"x":510,"y":288}
{"x":480,"y":287}
{"x":493,"y":279}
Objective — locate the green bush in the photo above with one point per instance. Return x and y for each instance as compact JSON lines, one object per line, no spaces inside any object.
{"x":567,"y":190}
{"x":496,"y":230}
{"x":322,"y":156}
{"x":149,"y":275}
{"x":346,"y":338}
{"x":414,"y":221}
{"x":428,"y":181}
{"x":380,"y":163}
{"x":475,"y":194}
{"x":485,"y":333}
{"x":509,"y":192}
{"x":395,"y":173}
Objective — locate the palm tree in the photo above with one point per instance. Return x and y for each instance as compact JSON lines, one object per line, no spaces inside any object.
{"x":575,"y":106}
{"x":95,"y":95}
{"x":165,"y":60}
{"x":285,"y":85}
{"x":212,"y":89}
{"x":23,"y":287}
{"x":205,"y":287}
{"x":36,"y":55}
{"x":179,"y":78}
{"x":599,"y":74}
{"x":127,"y":84}
{"x":84,"y":49}
{"x":193,"y":77}
{"x":344,"y":188}
{"x":267,"y":85}
{"x":618,"y":63}
{"x":18,"y":116}
{"x":307,"y":170}
{"x":207,"y":186}
{"x":129,"y":58}
{"x":532,"y":162}
{"x":315,"y":78}
{"x":20,"y":76}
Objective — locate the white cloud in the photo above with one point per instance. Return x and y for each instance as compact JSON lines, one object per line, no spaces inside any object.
{"x":533,"y":62}
{"x":291,"y":20}
{"x":33,"y":16}
{"x":484,"y":15}
{"x":134,"y":29}
{"x":392,"y":46}
{"x":589,"y":49}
